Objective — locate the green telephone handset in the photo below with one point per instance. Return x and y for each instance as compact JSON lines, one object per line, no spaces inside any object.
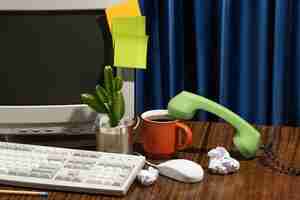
{"x":185,"y":104}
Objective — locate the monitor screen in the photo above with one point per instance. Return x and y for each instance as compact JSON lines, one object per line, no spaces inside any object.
{"x":49,"y":58}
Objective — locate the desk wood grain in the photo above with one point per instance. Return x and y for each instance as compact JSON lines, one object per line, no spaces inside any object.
{"x":253,"y":181}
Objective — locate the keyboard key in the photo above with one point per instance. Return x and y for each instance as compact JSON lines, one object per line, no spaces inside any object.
{"x":95,"y":181}
{"x":76,"y":179}
{"x":116,"y":184}
{"x":3,"y":170}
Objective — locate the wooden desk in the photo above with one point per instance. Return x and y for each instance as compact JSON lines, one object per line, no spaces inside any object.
{"x":253,"y":181}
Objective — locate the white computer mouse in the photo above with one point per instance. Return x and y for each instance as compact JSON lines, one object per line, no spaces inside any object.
{"x":182,"y":170}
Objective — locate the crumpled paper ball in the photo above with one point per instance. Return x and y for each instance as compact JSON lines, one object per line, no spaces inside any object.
{"x":220,"y":161}
{"x":147,"y":176}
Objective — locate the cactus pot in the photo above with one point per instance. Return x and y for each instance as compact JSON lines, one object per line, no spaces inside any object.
{"x":114,"y":139}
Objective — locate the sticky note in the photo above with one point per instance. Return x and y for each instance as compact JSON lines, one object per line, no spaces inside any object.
{"x":130,"y":51}
{"x":125,"y":9}
{"x":134,"y":26}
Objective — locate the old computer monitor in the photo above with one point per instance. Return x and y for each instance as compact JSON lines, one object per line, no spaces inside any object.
{"x":49,"y":55}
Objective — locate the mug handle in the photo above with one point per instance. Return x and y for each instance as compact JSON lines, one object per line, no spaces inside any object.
{"x":137,"y":124}
{"x":188,"y":135}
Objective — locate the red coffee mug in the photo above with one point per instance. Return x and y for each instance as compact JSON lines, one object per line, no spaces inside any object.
{"x":160,"y":136}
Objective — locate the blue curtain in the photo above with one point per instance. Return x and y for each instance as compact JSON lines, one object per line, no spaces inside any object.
{"x":243,"y":54}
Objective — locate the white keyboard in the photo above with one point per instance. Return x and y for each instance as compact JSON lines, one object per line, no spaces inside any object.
{"x":67,"y":169}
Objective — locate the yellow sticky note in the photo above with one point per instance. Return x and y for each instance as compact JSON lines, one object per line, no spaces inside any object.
{"x":125,"y":9}
{"x":130,"y":51}
{"x":129,"y":26}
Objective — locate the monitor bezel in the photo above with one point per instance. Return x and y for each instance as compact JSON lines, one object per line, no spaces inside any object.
{"x":46,"y":114}
{"x":48,"y":5}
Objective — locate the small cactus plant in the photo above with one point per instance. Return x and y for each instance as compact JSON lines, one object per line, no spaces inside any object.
{"x":109,"y":98}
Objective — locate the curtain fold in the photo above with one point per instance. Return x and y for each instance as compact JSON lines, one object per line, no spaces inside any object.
{"x":242,"y":54}
{"x":143,"y":77}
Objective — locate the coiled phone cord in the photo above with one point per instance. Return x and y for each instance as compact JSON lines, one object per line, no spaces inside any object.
{"x":270,"y":159}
